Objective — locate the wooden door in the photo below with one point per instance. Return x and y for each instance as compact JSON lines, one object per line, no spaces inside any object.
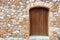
{"x":38,"y":21}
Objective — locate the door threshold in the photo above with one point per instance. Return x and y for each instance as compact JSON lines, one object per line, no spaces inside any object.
{"x":38,"y":36}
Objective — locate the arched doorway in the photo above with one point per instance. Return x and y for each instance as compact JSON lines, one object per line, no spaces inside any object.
{"x":39,"y":21}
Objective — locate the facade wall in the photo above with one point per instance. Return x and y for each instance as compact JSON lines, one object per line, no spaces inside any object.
{"x":14,"y":18}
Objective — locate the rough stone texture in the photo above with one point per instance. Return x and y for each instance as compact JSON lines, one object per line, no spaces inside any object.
{"x":14,"y":18}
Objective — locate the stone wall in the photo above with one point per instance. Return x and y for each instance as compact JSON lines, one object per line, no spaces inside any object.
{"x":14,"y":18}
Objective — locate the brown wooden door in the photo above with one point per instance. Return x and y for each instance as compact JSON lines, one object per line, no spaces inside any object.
{"x":38,"y":21}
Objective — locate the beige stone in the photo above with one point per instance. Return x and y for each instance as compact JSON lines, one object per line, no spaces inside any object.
{"x":2,"y":31}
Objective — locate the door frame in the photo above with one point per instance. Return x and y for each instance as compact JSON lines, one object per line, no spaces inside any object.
{"x":41,"y":4}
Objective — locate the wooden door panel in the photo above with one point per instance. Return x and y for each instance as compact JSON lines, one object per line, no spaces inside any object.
{"x":45,"y":21}
{"x":38,"y":21}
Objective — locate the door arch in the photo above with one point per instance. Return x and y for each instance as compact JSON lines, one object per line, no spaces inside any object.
{"x":39,"y":21}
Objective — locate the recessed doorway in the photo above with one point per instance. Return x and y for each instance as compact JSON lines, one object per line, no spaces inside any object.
{"x":39,"y":21}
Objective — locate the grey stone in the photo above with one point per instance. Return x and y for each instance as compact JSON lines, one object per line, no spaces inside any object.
{"x":23,"y":1}
{"x":20,"y":28}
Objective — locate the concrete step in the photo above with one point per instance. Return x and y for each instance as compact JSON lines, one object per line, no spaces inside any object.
{"x":39,"y":38}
